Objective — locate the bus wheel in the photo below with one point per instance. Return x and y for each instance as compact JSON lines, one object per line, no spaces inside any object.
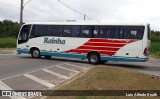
{"x":47,"y":57}
{"x":35,"y":53}
{"x":94,"y":58}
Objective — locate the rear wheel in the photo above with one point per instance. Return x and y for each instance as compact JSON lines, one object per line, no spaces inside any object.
{"x":94,"y":58}
{"x":35,"y":53}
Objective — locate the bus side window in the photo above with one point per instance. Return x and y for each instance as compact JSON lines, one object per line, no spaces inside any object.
{"x":112,"y":32}
{"x":103,"y":32}
{"x":75,"y":31}
{"x":67,"y":31}
{"x":86,"y":31}
{"x":124,"y":33}
{"x":95,"y":32}
{"x":55,"y":30}
{"x":131,"y":32}
{"x":140,"y":32}
{"x":38,"y":31}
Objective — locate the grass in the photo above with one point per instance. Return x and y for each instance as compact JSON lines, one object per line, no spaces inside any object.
{"x":155,"y":49}
{"x":7,"y":42}
{"x":111,"y":78}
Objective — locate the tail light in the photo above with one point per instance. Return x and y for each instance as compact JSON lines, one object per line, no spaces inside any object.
{"x":145,"y":53}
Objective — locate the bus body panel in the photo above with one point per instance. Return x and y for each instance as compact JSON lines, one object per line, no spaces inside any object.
{"x":125,"y":53}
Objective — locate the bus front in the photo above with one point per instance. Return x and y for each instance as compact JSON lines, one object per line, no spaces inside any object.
{"x":22,"y":39}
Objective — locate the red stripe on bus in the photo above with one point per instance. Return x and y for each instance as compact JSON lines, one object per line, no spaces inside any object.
{"x":98,"y":48}
{"x":99,"y":45}
{"x":104,"y":44}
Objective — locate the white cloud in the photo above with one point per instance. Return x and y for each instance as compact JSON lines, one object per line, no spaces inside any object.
{"x":102,"y":10}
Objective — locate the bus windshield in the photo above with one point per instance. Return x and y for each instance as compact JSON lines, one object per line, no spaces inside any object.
{"x":24,"y":34}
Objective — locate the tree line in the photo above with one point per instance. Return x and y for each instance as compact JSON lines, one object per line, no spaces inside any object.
{"x":9,"y":28}
{"x":155,"y":36}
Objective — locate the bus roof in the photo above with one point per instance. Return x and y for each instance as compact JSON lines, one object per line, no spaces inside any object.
{"x":86,"y":22}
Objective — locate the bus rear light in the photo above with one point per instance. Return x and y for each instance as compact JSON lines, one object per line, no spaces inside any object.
{"x":145,"y":52}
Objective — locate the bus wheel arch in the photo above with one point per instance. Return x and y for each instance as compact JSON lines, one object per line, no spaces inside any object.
{"x":93,"y":57}
{"x":35,"y":52}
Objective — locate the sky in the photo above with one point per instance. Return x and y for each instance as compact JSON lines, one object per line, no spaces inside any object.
{"x":141,"y":11}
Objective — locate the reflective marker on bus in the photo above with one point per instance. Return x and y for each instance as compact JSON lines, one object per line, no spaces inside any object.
{"x":95,"y":41}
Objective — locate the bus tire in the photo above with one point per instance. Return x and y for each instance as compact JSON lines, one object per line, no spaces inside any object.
{"x":47,"y":57}
{"x":35,"y":53}
{"x":94,"y":58}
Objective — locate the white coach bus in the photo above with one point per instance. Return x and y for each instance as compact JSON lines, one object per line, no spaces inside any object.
{"x":95,"y":41}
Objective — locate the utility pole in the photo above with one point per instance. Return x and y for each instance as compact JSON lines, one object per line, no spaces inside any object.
{"x":84,"y":16}
{"x":21,"y":13}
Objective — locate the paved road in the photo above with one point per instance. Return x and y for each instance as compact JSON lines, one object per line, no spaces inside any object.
{"x":152,"y":67}
{"x":21,"y":72}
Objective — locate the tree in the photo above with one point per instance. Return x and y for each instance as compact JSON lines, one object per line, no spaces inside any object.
{"x":9,"y":28}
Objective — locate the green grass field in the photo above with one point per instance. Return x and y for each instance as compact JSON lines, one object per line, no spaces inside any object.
{"x":155,"y":49}
{"x":111,"y":78}
{"x":7,"y":42}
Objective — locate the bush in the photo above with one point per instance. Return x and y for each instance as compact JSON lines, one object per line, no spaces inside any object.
{"x":155,"y":36}
{"x":7,"y":42}
{"x":155,"y":48}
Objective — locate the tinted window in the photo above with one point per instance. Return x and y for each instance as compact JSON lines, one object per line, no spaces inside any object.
{"x":108,"y":32}
{"x":86,"y":31}
{"x":24,"y":34}
{"x":95,"y":32}
{"x":39,"y":30}
{"x":67,"y":31}
{"x":55,"y":30}
{"x":75,"y":31}
{"x":131,"y":32}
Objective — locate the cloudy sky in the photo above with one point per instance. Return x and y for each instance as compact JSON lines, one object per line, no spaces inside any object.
{"x":145,"y":11}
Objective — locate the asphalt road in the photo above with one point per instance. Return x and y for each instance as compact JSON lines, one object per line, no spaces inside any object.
{"x":151,"y":67}
{"x":21,"y":72}
{"x":12,"y":65}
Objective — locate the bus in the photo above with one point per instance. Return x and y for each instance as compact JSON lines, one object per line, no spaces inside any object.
{"x":98,"y":42}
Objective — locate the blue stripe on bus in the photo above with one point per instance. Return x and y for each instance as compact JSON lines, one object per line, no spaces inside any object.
{"x":24,"y":51}
{"x":84,"y":56}
{"x":62,"y":54}
{"x":123,"y":59}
